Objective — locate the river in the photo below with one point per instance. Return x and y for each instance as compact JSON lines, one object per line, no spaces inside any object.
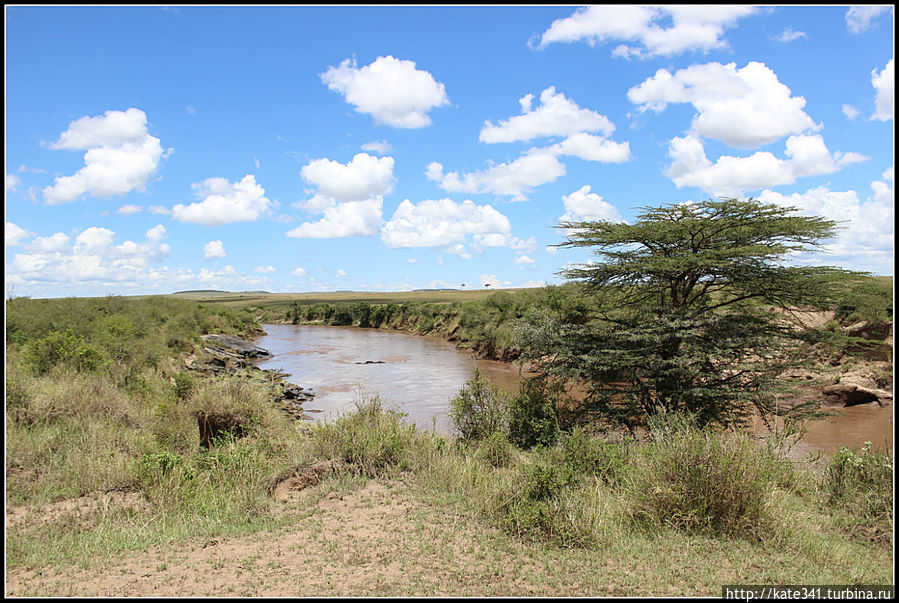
{"x":419,"y":376}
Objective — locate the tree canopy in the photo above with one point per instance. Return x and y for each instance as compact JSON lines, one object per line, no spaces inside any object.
{"x":692,"y":306}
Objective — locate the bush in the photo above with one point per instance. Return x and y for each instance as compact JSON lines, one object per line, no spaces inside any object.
{"x":480,"y":409}
{"x":861,"y":483}
{"x":533,"y":420}
{"x":62,"y":348}
{"x":495,"y":450}
{"x":701,"y":481}
{"x":588,"y":455}
{"x":373,"y":441}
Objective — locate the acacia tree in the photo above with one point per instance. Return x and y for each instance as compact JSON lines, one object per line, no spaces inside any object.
{"x":692,"y":306}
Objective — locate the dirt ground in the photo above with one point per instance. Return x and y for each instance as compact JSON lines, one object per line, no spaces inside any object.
{"x":375,"y":541}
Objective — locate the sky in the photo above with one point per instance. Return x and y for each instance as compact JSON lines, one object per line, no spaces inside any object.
{"x":155,"y":149}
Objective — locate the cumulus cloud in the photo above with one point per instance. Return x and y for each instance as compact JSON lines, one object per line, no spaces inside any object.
{"x":645,"y":31}
{"x":225,"y":202}
{"x":298,"y":272}
{"x":860,"y":18}
{"x":121,"y":156}
{"x":391,"y":90}
{"x":744,"y":108}
{"x":582,"y":205}
{"x":866,"y":239}
{"x":53,"y":261}
{"x":363,"y":177}
{"x":213,"y":250}
{"x":515,"y":179}
{"x":264,"y":269}
{"x":15,"y":234}
{"x":593,"y":148}
{"x":445,"y":223}
{"x":348,"y":219}
{"x":806,"y":155}
{"x":556,"y":116}
{"x":490,"y":280}
{"x":883,"y":83}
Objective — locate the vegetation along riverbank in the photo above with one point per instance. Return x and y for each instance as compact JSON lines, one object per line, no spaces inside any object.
{"x":115,"y":487}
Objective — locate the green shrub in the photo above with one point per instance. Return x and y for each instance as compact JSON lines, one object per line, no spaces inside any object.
{"x":585,"y":455}
{"x":861,"y":484}
{"x":495,"y":450}
{"x":372,"y":441}
{"x":701,"y":481}
{"x":480,"y":409}
{"x":532,"y":415}
{"x":62,"y":348}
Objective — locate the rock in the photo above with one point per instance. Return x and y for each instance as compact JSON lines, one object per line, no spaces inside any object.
{"x":851,"y":394}
{"x":236,"y":346}
{"x":372,"y":362}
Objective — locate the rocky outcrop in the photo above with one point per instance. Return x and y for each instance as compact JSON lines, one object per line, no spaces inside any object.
{"x":233,"y":346}
{"x":851,"y":394}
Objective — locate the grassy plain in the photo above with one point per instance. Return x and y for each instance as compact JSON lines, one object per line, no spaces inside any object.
{"x":109,"y":491}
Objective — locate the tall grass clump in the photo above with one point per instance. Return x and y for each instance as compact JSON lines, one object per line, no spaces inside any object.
{"x":701,"y":481}
{"x":373,"y":441}
{"x":859,"y":483}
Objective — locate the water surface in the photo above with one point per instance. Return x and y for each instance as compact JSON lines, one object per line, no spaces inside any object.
{"x":419,"y":375}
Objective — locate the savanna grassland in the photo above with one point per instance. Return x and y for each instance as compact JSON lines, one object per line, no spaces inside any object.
{"x":110,"y":493}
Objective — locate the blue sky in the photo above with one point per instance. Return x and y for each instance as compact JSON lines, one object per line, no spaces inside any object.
{"x":288,"y":149}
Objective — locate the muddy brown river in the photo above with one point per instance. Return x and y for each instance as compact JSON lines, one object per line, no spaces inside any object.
{"x":420,"y":375}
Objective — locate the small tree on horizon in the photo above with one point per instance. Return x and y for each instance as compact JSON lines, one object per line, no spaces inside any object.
{"x":692,"y":302}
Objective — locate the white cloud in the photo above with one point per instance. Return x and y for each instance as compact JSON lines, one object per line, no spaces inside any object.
{"x":391,"y":90}
{"x":582,"y":205}
{"x":866,"y":238}
{"x":340,"y":273}
{"x":128,"y":210}
{"x":445,"y":223}
{"x":744,"y":108}
{"x":491,"y":280}
{"x":213,"y":250}
{"x":224,"y":202}
{"x":14,"y":234}
{"x":593,"y":148}
{"x":362,"y":178}
{"x":851,"y":112}
{"x":52,"y":262}
{"x":789,"y":35}
{"x":298,"y":272}
{"x":551,"y":250}
{"x":806,"y":156}
{"x":10,"y":183}
{"x":516,"y":179}
{"x":883,"y":83}
{"x":524,"y":261}
{"x":381,"y":147}
{"x":556,"y":116}
{"x":646,"y":28}
{"x":859,"y":18}
{"x":121,"y":156}
{"x":349,"y":219}
{"x":264,"y":269}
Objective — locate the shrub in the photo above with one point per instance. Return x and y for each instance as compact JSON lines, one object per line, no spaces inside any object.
{"x":700,"y":480}
{"x":480,"y":409}
{"x":532,"y":420}
{"x":373,"y":441}
{"x":495,"y":450}
{"x":861,"y":483}
{"x":62,"y":348}
{"x":589,"y":455}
